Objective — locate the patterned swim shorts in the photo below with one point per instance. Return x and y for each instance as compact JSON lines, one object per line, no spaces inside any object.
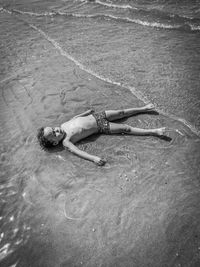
{"x":102,"y":122}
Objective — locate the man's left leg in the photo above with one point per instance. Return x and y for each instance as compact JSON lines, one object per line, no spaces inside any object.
{"x":112,"y":115}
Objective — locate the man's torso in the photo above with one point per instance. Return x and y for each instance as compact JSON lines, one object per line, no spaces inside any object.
{"x":79,"y":128}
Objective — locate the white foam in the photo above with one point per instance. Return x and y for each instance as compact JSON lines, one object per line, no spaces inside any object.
{"x":194,"y":27}
{"x":11,"y":219}
{"x":136,"y":21}
{"x":2,"y":9}
{"x":1,"y":236}
{"x":4,"y":251}
{"x":5,"y":248}
{"x":34,"y":14}
{"x":114,"y":5}
{"x":127,"y":19}
{"x":145,"y":23}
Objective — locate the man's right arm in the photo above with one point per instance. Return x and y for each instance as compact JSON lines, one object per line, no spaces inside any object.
{"x":72,"y":148}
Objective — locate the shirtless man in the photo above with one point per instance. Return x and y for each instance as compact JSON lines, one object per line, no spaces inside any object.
{"x":88,"y":123}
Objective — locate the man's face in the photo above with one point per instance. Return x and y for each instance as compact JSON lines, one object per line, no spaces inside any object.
{"x":54,"y":134}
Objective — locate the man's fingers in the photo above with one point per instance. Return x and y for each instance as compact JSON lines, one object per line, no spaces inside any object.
{"x":101,"y":162}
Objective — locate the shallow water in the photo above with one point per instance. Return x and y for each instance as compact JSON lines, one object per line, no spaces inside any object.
{"x":59,"y":58}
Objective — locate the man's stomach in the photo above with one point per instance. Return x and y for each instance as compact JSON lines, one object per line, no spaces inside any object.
{"x":80,"y":128}
{"x":83,"y":133}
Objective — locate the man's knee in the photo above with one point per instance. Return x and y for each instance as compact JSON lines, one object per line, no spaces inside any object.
{"x":121,"y":113}
{"x":126,"y":128}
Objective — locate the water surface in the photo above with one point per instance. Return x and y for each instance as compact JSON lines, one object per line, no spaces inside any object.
{"x":59,"y":58}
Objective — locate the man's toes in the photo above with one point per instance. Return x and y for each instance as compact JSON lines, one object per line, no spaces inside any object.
{"x":161,"y":131}
{"x":150,"y":106}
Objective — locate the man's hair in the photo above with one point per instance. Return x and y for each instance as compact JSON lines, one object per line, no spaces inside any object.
{"x":44,"y":143}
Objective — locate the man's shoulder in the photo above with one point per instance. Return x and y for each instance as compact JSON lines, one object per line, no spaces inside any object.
{"x":65,"y":124}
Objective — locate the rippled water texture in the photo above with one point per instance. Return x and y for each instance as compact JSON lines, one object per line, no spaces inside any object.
{"x":59,"y":58}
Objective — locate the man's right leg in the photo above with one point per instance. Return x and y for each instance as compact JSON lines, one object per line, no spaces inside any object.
{"x":127,"y":129}
{"x":112,"y":115}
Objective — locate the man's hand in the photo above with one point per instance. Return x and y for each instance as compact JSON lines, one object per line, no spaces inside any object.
{"x":99,"y":161}
{"x":69,"y":145}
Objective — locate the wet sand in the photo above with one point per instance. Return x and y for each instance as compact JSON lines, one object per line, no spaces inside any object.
{"x":140,"y":209}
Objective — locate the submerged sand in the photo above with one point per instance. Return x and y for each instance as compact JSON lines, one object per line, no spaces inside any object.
{"x":140,"y":209}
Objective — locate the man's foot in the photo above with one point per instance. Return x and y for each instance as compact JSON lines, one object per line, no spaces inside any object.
{"x":161,"y":131}
{"x":149,"y":107}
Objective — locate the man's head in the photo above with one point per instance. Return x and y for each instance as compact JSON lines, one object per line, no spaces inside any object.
{"x":49,"y":137}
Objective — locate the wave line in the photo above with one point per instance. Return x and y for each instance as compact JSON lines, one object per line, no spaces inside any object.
{"x":44,"y":14}
{"x":137,"y":21}
{"x":187,"y":25}
{"x":115,"y":6}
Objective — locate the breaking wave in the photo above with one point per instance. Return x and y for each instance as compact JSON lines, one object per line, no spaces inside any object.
{"x":114,"y":5}
{"x":185,"y":26}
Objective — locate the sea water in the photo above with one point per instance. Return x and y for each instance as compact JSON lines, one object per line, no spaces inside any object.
{"x":59,"y":58}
